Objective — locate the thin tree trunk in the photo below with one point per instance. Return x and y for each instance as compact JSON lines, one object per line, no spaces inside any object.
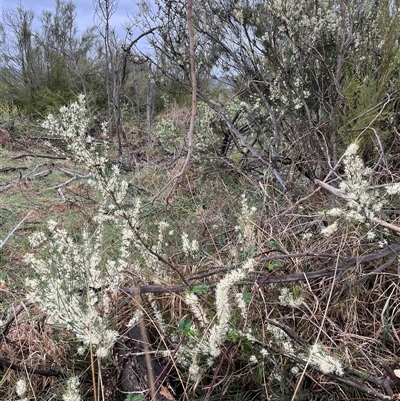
{"x":149,"y":109}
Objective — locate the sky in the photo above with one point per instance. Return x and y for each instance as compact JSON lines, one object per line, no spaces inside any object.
{"x":84,"y":8}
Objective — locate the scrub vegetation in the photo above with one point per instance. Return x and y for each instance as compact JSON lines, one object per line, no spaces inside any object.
{"x":204,"y":209}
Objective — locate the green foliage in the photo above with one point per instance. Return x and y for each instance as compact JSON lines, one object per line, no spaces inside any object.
{"x":131,"y":397}
{"x":8,"y":112}
{"x":185,"y":327}
{"x":199,"y":289}
{"x":171,"y":135}
{"x":274,"y":265}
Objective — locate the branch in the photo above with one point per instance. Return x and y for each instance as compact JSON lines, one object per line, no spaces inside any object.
{"x":193,"y":76}
{"x":391,"y":250}
{"x":10,"y":185}
{"x":6,"y":363}
{"x":14,"y":229}
{"x":38,"y":156}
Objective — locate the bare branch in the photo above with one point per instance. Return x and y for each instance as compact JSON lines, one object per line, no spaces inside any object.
{"x":15,"y":229}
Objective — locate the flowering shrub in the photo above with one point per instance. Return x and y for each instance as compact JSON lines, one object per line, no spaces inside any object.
{"x":364,"y":203}
{"x":76,"y":286}
{"x":170,"y":135}
{"x":76,"y":282}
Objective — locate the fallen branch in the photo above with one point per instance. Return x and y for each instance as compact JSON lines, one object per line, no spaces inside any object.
{"x":38,"y":156}
{"x":28,"y":177}
{"x":12,"y":169}
{"x":6,"y":363}
{"x":14,"y":229}
{"x":345,"y":263}
{"x":73,"y":173}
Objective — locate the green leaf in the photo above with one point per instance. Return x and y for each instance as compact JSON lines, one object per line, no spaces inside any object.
{"x":184,"y":326}
{"x":273,"y":243}
{"x":247,"y":297}
{"x":138,"y":397}
{"x":273,"y":265}
{"x":246,"y":346}
{"x":200,"y":288}
{"x":249,"y":253}
{"x":234,"y":336}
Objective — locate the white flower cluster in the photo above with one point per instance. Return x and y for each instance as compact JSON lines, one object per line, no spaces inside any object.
{"x":287,"y":298}
{"x":329,"y":230}
{"x":72,"y":121}
{"x":245,"y":227}
{"x":300,"y":17}
{"x":71,"y":392}
{"x":241,"y":303}
{"x":221,"y":327}
{"x":192,"y":300}
{"x":171,"y":134}
{"x":209,"y":344}
{"x":280,"y":338}
{"x":71,"y":124}
{"x":393,"y":189}
{"x":146,"y":262}
{"x":20,"y":388}
{"x":189,"y":247}
{"x":324,"y":362}
{"x":67,"y":284}
{"x":363,"y":202}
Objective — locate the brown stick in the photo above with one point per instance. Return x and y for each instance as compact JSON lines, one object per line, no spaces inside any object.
{"x":6,"y":363}
{"x":38,"y":156}
{"x":345,"y":264}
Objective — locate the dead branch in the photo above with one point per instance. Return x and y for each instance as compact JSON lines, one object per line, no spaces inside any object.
{"x":344,"y":264}
{"x":193,"y":78}
{"x":6,"y":363}
{"x":73,"y":173}
{"x":27,"y":177}
{"x":15,"y":229}
{"x":12,"y":169}
{"x":38,"y":156}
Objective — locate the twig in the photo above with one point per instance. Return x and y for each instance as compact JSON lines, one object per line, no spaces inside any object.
{"x":7,"y":326}
{"x":214,"y":379}
{"x":59,"y":186}
{"x":41,"y":174}
{"x":378,"y":270}
{"x":38,"y":156}
{"x":6,"y":363}
{"x":348,"y":382}
{"x":10,"y":169}
{"x":61,"y":195}
{"x":162,"y":374}
{"x":15,"y":229}
{"x":73,"y":173}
